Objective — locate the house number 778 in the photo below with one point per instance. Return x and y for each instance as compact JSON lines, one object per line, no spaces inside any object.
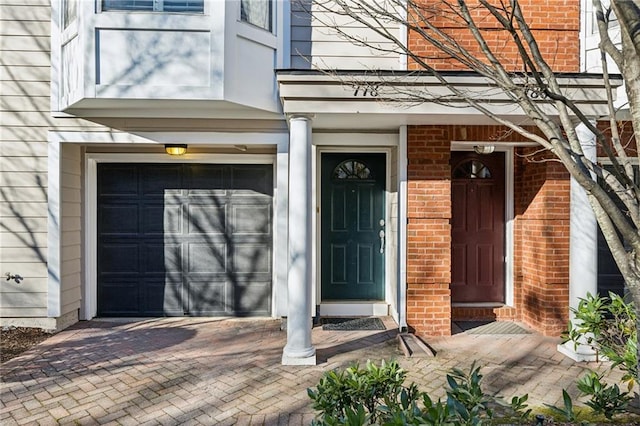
{"x":366,"y":90}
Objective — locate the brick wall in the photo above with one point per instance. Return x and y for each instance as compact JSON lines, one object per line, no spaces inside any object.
{"x":542,"y":244}
{"x":554,"y":23}
{"x":541,"y":281}
{"x":429,"y":230}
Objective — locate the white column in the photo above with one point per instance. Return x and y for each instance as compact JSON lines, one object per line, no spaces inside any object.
{"x":583,"y":247}
{"x":299,"y":350}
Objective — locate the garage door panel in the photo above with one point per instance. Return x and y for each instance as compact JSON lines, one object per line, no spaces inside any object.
{"x":120,"y":298}
{"x":118,"y":219}
{"x":160,"y":219}
{"x":207,"y":179}
{"x":202,"y":237}
{"x":252,"y":298}
{"x":207,"y":219}
{"x":119,"y":258}
{"x":251,"y":219}
{"x":163,"y":297}
{"x":162,"y":180}
{"x":250,"y":180}
{"x":251,"y":259}
{"x":208,"y":298}
{"x":207,"y":258}
{"x":161,"y":257}
{"x":116,"y":180}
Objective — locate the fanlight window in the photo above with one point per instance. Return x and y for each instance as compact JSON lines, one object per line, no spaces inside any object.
{"x":352,"y":169}
{"x":472,"y":169}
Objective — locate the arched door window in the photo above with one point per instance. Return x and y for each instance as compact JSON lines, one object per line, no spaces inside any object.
{"x":471,"y":169}
{"x":352,"y":169}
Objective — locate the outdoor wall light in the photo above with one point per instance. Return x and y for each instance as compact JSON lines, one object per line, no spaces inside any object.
{"x":175,"y":149}
{"x":484,"y":149}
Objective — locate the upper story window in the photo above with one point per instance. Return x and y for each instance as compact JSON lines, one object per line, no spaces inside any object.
{"x":257,"y":12}
{"x":181,"y":6}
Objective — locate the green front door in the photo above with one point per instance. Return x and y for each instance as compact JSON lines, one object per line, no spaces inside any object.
{"x":353,"y":226}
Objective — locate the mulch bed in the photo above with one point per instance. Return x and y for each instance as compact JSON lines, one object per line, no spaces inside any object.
{"x":16,"y":340}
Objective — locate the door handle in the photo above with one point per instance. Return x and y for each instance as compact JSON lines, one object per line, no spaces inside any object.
{"x":381,"y":235}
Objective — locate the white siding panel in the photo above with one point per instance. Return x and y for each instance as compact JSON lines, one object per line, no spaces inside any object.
{"x":27,"y":270}
{"x":25,"y":88}
{"x":24,"y":73}
{"x":20,"y":239}
{"x":315,"y":43}
{"x":11,"y":209}
{"x":27,"y":119}
{"x":21,"y":179}
{"x":71,"y":223}
{"x":17,"y":146}
{"x":29,"y":224}
{"x":72,"y":266}
{"x":71,"y":237}
{"x":33,"y":58}
{"x":9,"y":163}
{"x":36,"y":28}
{"x":22,"y":312}
{"x":24,"y":255}
{"x":22,"y":103}
{"x":18,"y":11}
{"x":28,"y":285}
{"x":15,"y":195}
{"x":24,"y":43}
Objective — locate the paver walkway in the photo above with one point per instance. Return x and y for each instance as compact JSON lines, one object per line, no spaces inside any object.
{"x":214,"y":372}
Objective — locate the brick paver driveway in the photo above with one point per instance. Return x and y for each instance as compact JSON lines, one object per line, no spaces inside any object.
{"x":211,"y":371}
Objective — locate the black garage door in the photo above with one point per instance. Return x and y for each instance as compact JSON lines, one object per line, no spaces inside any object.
{"x":185,"y":239}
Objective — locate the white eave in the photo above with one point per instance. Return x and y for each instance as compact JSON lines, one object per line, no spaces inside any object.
{"x":383,"y":99}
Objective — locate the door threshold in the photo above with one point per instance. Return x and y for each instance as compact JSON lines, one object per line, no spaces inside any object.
{"x":478,"y":305}
{"x":353,"y":309}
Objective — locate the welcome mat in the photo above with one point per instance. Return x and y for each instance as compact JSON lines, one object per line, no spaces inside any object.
{"x":351,"y":324}
{"x":491,"y":327}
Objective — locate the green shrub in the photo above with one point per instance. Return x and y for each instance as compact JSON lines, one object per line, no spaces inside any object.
{"x":376,"y":395}
{"x":605,"y":399}
{"x":608,"y":324}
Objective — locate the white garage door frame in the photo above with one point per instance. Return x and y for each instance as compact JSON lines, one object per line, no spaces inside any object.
{"x":90,"y":302}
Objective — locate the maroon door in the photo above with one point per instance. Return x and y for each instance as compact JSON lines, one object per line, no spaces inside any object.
{"x":477,"y":227}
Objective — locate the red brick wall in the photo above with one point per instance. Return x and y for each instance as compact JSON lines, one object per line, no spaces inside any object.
{"x":429,"y":230}
{"x":541,"y":281}
{"x":554,"y":23}
{"x":542,"y":244}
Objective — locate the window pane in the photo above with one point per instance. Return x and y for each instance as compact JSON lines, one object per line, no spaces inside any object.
{"x":192,"y":6}
{"x":70,"y":12}
{"x":256,"y":12}
{"x":143,"y":5}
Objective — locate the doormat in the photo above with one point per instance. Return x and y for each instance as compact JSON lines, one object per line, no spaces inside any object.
{"x":350,"y":324}
{"x":491,"y":327}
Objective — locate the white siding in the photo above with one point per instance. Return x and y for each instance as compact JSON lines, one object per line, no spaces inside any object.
{"x":71,"y":236}
{"x":23,"y":164}
{"x":25,"y":120}
{"x":315,"y":43}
